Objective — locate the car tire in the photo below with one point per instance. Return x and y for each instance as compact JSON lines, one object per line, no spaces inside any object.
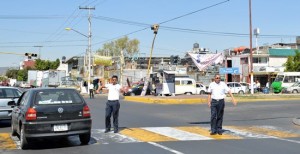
{"x":188,"y":93}
{"x":23,"y":140}
{"x":202,"y":92}
{"x":85,"y":138}
{"x":294,"y":91}
{"x":13,"y":130}
{"x":241,"y":92}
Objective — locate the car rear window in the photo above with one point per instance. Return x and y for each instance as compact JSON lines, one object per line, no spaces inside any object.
{"x":48,"y":97}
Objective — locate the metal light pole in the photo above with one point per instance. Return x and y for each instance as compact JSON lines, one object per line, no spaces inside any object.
{"x":155,"y":29}
{"x":251,"y":54}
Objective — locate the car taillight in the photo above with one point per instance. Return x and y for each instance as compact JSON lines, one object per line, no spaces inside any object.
{"x":86,"y":111}
{"x":30,"y":114}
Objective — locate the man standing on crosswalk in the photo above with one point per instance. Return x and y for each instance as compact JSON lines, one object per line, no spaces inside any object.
{"x":216,"y":94}
{"x":113,"y":104}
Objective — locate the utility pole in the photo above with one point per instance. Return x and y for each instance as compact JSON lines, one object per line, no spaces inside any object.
{"x":251,"y":54}
{"x":89,"y":44}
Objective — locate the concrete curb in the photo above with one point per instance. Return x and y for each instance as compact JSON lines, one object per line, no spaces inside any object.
{"x":166,"y":100}
{"x":296,"y":121}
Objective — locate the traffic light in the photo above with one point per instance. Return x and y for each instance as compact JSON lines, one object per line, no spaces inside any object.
{"x":29,"y":55}
{"x":155,"y":28}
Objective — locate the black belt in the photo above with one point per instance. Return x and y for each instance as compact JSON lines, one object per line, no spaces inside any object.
{"x":218,"y":99}
{"x":113,"y":100}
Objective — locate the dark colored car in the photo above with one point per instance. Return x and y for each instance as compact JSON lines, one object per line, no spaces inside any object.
{"x":50,"y":112}
{"x":136,"y":90}
{"x":7,"y":94}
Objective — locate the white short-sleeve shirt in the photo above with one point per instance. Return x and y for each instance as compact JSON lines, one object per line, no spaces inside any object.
{"x":218,"y":90}
{"x":113,"y":91}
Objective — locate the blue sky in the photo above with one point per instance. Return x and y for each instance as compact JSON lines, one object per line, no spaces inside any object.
{"x":25,"y":24}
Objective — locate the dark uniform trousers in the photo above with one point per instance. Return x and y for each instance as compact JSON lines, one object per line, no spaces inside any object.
{"x":217,"y":111}
{"x":112,"y":107}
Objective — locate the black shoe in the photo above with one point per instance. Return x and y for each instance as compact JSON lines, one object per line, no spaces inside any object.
{"x":220,"y":133}
{"x":116,"y":131}
{"x":106,"y":131}
{"x":213,"y":133}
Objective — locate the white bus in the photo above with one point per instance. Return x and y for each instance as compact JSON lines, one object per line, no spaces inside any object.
{"x":287,"y":78}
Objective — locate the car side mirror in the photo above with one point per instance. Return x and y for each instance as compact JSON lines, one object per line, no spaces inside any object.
{"x":11,"y":103}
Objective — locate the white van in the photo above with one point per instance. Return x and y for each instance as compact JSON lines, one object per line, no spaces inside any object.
{"x":185,"y":85}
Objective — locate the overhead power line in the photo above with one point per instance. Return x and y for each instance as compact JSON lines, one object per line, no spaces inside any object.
{"x":202,"y":9}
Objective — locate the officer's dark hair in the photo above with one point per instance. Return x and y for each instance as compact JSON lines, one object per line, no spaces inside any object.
{"x":114,"y":76}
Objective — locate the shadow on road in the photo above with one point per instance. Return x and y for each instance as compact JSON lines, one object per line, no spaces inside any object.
{"x":54,"y":143}
{"x":5,"y":123}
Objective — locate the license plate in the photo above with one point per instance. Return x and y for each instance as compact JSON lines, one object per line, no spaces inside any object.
{"x":62,"y":127}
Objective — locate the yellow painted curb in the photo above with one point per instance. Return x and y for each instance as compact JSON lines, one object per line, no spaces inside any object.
{"x":165,"y":100}
{"x":160,"y":100}
{"x":6,"y":142}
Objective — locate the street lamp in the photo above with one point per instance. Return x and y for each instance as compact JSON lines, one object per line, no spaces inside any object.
{"x":155,"y":30}
{"x":89,"y":52}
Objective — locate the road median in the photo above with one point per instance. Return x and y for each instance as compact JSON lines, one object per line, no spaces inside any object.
{"x":202,"y":99}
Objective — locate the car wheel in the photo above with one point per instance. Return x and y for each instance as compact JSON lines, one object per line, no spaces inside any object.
{"x":294,"y":91}
{"x":132,"y":94}
{"x":85,"y":138}
{"x":23,"y":140}
{"x":241,"y":92}
{"x":13,"y":130}
{"x":188,"y":93}
{"x":202,"y":92}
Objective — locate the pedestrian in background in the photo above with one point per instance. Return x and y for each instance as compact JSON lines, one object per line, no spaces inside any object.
{"x":91,"y":87}
{"x":216,"y":94}
{"x":113,"y":104}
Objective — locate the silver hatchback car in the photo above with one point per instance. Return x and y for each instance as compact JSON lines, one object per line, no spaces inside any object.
{"x":7,"y":94}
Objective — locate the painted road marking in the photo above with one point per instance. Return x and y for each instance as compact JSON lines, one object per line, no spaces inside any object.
{"x":184,"y":133}
{"x":145,"y":135}
{"x":6,"y":141}
{"x":176,"y":133}
{"x":266,"y":131}
{"x":205,"y":132}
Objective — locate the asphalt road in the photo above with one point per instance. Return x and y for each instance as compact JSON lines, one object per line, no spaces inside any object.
{"x":256,"y":127}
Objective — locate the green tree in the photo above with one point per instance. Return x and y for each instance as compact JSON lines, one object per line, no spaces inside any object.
{"x":130,"y":47}
{"x":46,"y":64}
{"x":22,"y":75}
{"x":12,"y":73}
{"x":293,"y":63}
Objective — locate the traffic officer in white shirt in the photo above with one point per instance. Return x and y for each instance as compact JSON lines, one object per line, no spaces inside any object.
{"x":216,"y":95}
{"x":113,"y":104}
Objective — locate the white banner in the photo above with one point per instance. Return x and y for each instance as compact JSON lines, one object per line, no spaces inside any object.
{"x":202,"y":61}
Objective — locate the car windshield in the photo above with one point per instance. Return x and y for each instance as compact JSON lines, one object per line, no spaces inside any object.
{"x":279,"y":78}
{"x":57,"y":96}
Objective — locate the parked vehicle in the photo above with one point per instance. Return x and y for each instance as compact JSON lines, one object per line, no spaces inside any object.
{"x":8,"y":94}
{"x":285,"y":80}
{"x":136,"y":90}
{"x":185,"y":86}
{"x":246,"y":85}
{"x":295,"y":88}
{"x":236,"y":88}
{"x":50,"y":112}
{"x":201,"y":89}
